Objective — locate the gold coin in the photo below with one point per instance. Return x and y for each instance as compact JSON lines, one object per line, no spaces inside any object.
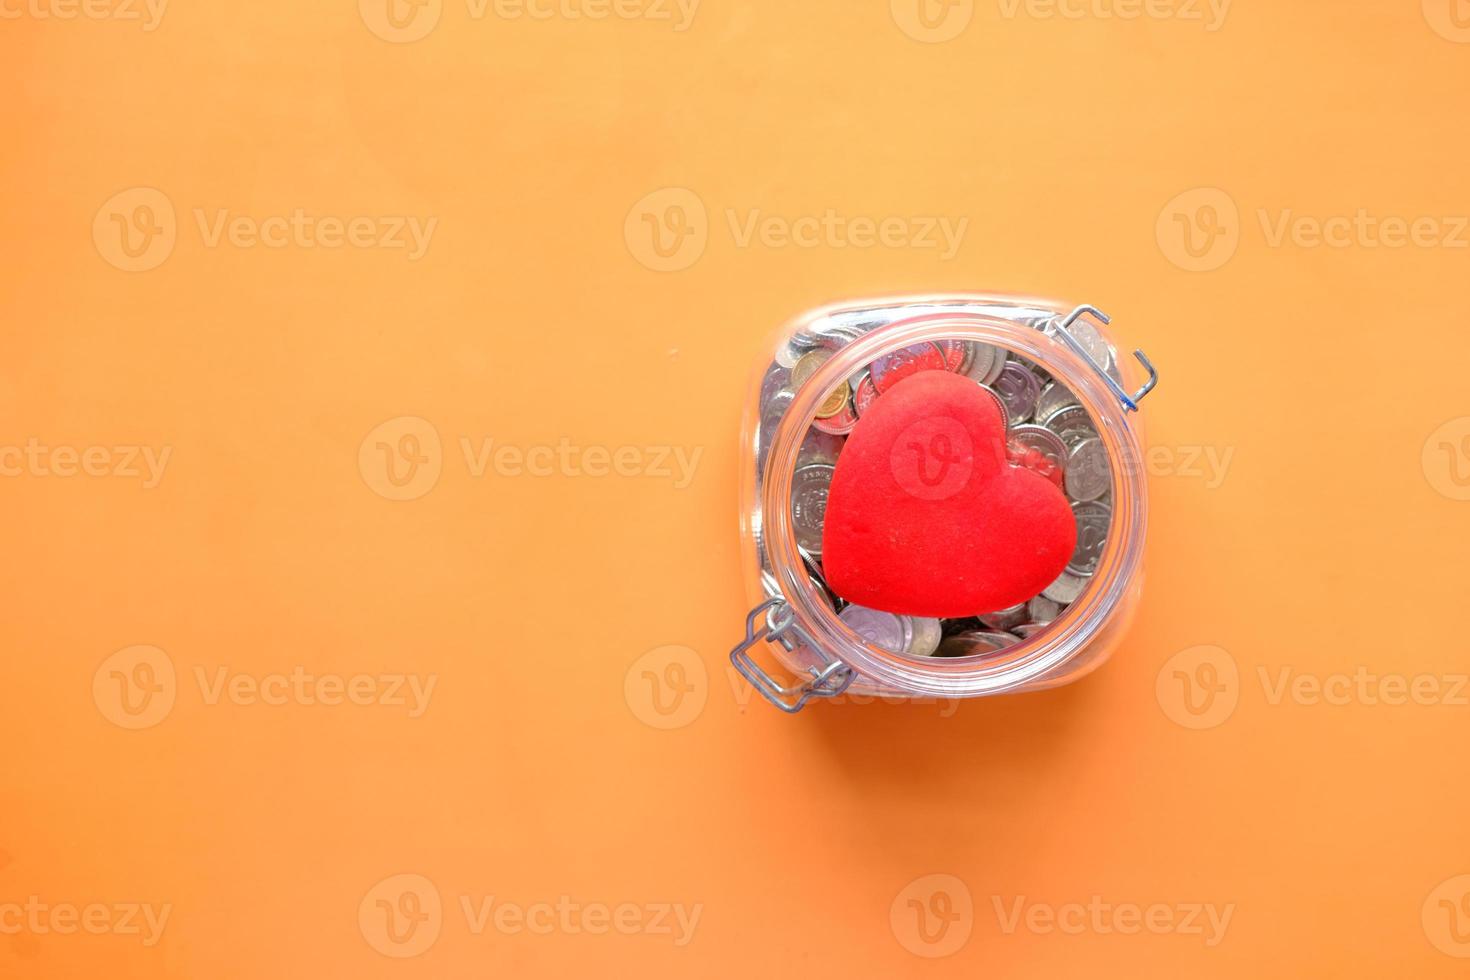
{"x":806,"y":366}
{"x":835,"y":401}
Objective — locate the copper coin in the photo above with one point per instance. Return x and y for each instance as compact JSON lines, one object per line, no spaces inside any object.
{"x":835,"y":401}
{"x":837,"y":425}
{"x":807,"y":365}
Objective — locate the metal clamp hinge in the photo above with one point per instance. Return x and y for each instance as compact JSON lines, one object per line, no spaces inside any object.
{"x":1130,"y":402}
{"x":827,"y":681}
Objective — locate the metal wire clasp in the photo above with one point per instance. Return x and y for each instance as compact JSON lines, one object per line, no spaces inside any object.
{"x":1130,"y":402}
{"x":828,"y":681}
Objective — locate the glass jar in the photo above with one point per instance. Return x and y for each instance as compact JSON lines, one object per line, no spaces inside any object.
{"x":794,"y":612}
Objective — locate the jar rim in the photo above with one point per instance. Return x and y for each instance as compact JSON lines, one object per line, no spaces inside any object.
{"x":1032,"y":659}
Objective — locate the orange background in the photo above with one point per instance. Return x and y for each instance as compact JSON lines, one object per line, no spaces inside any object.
{"x":1335,"y":539}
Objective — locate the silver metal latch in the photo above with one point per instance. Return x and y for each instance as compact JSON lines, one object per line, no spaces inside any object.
{"x":1064,"y":331}
{"x":827,"y":681}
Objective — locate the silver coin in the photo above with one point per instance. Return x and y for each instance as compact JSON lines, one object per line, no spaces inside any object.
{"x":968,"y":360}
{"x":805,"y":340}
{"x":826,"y":332}
{"x":1091,"y":340}
{"x":1093,"y":520}
{"x":974,"y":643}
{"x":1073,"y":424}
{"x":834,"y":337}
{"x":982,"y":361}
{"x":1043,"y":610}
{"x":996,"y":366}
{"x":927,"y":634}
{"x":893,"y":367}
{"x":863,"y":395}
{"x":1005,"y":618}
{"x":771,"y":414}
{"x":1043,"y":440}
{"x":809,"y":487}
{"x":883,"y":630}
{"x":776,"y":380}
{"x":819,"y":447}
{"x":1005,"y":413}
{"x":1019,"y":389}
{"x":1066,"y":588}
{"x":1088,"y":475}
{"x":1027,"y":630}
{"x":814,"y":572}
{"x":774,"y":409}
{"x":1053,"y":398}
{"x":955,"y":352}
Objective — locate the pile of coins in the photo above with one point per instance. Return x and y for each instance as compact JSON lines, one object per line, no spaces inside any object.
{"x":1047,"y":430}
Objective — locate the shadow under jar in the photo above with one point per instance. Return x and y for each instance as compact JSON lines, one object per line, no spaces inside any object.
{"x":792,"y":438}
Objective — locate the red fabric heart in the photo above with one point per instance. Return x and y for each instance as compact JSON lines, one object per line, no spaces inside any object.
{"x":926,"y":517}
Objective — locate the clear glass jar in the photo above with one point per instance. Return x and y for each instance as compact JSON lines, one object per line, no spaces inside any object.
{"x":796,"y":616}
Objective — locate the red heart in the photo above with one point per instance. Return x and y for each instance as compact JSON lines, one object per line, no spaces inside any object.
{"x":926,"y":517}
